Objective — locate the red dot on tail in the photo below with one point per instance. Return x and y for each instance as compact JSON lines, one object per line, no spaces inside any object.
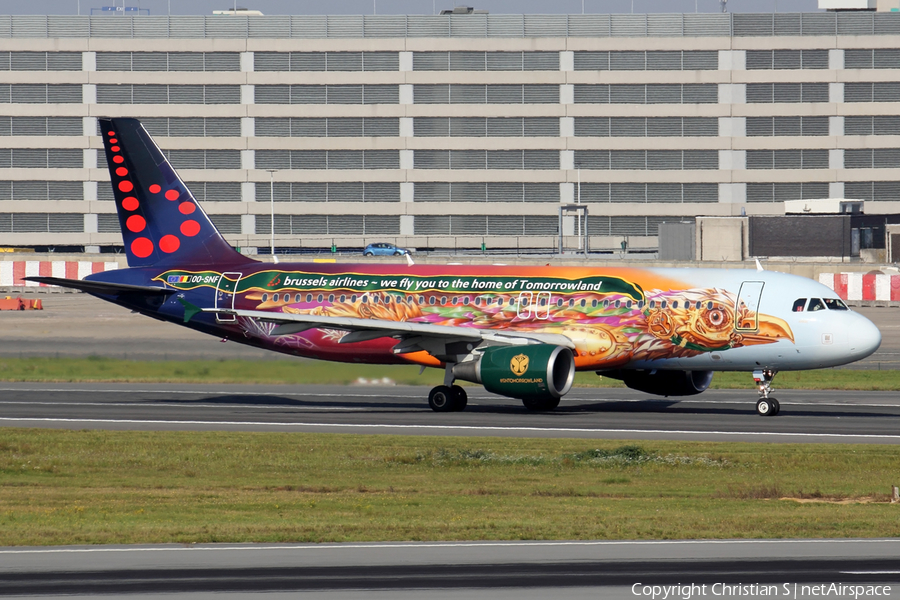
{"x":169,"y":244}
{"x":130,"y":203}
{"x":113,"y":141}
{"x":136,"y":223}
{"x":190,"y":228}
{"x":121,"y":171}
{"x":154,"y":189}
{"x":115,"y":148}
{"x":111,"y":132}
{"x":142,"y":247}
{"x":118,"y":160}
{"x":172,"y":195}
{"x":126,"y":186}
{"x":186,"y":208}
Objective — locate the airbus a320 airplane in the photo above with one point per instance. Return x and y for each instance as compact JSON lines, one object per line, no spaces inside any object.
{"x":521,"y":332}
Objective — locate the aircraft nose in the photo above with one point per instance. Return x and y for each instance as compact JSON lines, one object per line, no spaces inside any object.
{"x":865,"y":338}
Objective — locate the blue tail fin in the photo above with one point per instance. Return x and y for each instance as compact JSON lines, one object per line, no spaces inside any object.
{"x":161,"y":221}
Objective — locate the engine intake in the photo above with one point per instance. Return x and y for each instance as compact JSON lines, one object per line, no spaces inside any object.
{"x":664,"y":383}
{"x":540,"y":373}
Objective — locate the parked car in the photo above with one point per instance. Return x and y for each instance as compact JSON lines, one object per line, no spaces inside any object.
{"x":383,"y":249}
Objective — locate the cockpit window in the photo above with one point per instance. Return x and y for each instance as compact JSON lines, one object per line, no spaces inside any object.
{"x":835,"y":304}
{"x":815,"y":304}
{"x":799,"y":303}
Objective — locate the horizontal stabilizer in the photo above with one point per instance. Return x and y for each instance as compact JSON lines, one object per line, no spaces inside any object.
{"x":100,"y":287}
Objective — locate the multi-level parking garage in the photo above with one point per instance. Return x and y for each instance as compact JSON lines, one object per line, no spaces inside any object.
{"x":450,"y":131}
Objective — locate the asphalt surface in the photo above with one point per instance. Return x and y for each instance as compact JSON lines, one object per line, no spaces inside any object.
{"x":717,"y":415}
{"x":523,"y":570}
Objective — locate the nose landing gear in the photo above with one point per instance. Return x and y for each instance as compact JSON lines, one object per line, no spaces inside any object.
{"x":766,"y":406}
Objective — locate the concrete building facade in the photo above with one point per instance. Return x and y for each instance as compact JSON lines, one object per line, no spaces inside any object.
{"x":451,"y":131}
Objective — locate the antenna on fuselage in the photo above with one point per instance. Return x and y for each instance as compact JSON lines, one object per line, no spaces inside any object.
{"x":759,"y":267}
{"x":409,"y":260}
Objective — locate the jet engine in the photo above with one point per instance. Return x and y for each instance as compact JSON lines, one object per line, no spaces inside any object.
{"x":538,"y":374}
{"x":664,"y":383}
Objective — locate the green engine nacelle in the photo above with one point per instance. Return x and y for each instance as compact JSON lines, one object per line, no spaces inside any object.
{"x":538,"y":374}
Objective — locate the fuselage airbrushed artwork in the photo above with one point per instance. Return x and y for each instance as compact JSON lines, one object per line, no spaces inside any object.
{"x":520,"y":331}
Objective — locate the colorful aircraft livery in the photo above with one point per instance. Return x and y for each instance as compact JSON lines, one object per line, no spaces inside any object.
{"x":520,"y":331}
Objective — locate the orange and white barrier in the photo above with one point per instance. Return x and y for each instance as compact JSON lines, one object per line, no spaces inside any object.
{"x":12,"y":271}
{"x":863,"y":286}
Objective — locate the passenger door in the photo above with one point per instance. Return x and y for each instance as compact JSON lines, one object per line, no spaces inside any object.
{"x":226,"y":291}
{"x":750,"y":296}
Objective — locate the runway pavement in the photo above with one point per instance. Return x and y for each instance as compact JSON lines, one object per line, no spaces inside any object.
{"x":513,"y":569}
{"x":716,"y":415}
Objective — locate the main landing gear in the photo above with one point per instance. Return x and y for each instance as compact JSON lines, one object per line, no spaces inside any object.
{"x":448,"y":397}
{"x":766,"y":406}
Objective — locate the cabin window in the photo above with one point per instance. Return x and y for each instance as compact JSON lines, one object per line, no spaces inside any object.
{"x":365,"y":299}
{"x":664,"y":304}
{"x":709,"y":306}
{"x":319,"y":298}
{"x":799,"y":303}
{"x":699,"y":305}
{"x":432,"y":300}
{"x":309,"y":297}
{"x":478,"y":301}
{"x":331,"y":297}
{"x":571,"y":302}
{"x":466,"y":300}
{"x":443,"y":300}
{"x":606,"y":304}
{"x":618,"y":303}
{"x":583,"y":302}
{"x":265,"y":298}
{"x":559,"y":302}
{"x":653,"y":304}
{"x":815,"y":304}
{"x":835,"y":304}
{"x":594,"y":303}
{"x":275,"y":298}
{"x":641,"y":304}
{"x":296,"y":297}
{"x":353,"y":298}
{"x":628,"y":304}
{"x":387,"y":299}
{"x":343,"y":297}
{"x":674,"y":303}
{"x":455,"y":300}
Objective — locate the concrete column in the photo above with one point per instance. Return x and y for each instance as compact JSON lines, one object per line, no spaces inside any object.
{"x":90,"y":223}
{"x":566,"y":160}
{"x":248,"y":127}
{"x":248,"y":159}
{"x":407,"y":129}
{"x":89,"y":126}
{"x":247,"y":62}
{"x":406,"y":61}
{"x":567,"y":93}
{"x":407,"y":225}
{"x":248,"y":224}
{"x":836,"y":189}
{"x":248,"y":191}
{"x":407,"y":159}
{"x":567,"y":192}
{"x":732,"y":193}
{"x":836,"y":158}
{"x":406,"y":94}
{"x":730,"y":160}
{"x":407,"y":191}
{"x":89,"y":190}
{"x":836,"y":93}
{"x":732,"y":93}
{"x":248,"y":94}
{"x":566,"y":60}
{"x":88,"y":61}
{"x":567,"y":127}
{"x":89,"y":95}
{"x":836,"y":59}
{"x":732,"y":60}
{"x":732,"y":126}
{"x":89,"y":158}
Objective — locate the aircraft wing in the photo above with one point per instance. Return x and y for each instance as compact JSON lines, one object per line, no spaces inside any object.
{"x":437,"y":340}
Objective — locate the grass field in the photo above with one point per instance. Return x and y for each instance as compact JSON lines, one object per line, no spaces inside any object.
{"x":92,"y":487}
{"x":298,"y":372}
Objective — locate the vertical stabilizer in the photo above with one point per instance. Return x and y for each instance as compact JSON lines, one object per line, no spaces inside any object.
{"x":161,"y":221}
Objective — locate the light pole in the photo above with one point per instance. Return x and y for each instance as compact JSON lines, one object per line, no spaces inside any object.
{"x":272,"y":205}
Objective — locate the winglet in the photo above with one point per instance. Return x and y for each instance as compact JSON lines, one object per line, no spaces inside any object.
{"x":759,"y":267}
{"x":190,"y":310}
